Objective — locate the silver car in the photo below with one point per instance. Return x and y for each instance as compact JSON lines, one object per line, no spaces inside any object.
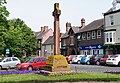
{"x":9,"y":62}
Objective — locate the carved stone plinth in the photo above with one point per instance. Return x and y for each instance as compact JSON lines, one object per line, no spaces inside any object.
{"x":57,"y":63}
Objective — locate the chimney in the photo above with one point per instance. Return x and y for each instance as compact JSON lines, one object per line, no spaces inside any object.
{"x":45,"y":28}
{"x":82,"y":23}
{"x":68,"y":25}
{"x":42,"y":29}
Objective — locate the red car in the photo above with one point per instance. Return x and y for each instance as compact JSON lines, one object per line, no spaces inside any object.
{"x":103,"y":60}
{"x":33,"y":63}
{"x":69,"y":59}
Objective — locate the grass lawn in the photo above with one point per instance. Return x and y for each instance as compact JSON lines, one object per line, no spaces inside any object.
{"x":31,"y":77}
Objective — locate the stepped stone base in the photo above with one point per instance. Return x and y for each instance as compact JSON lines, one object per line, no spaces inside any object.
{"x":57,"y":63}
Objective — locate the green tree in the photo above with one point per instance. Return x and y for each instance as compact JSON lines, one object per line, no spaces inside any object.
{"x":20,"y":37}
{"x":3,"y":24}
{"x":3,"y":14}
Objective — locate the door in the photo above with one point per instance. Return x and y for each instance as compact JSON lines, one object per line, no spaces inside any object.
{"x":7,"y":63}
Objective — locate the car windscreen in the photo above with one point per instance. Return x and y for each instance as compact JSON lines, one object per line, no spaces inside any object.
{"x":114,"y":56}
{"x":1,"y":59}
{"x":73,"y":56}
{"x":30,"y":60}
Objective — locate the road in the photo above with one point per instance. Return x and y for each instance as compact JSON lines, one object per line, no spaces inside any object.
{"x":93,"y":68}
{"x":89,"y":68}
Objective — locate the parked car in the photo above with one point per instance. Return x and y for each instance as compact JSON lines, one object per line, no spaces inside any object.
{"x":33,"y":63}
{"x":85,"y":59}
{"x":9,"y":62}
{"x":103,"y":60}
{"x":77,"y":59}
{"x":113,"y":60}
{"x":69,"y":59}
{"x":95,"y":59}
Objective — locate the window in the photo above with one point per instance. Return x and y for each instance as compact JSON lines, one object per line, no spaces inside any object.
{"x":107,"y":38}
{"x":93,"y":34}
{"x":110,"y":37}
{"x":14,"y":59}
{"x":83,"y":36}
{"x":71,"y":39}
{"x":51,"y":47}
{"x":99,"y":34}
{"x":79,"y":37}
{"x":43,"y":59}
{"x":8,"y":59}
{"x":38,"y":60}
{"x":88,"y":35}
{"x":111,"y":20}
{"x":64,"y":42}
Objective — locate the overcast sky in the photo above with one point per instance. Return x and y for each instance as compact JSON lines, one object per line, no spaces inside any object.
{"x":37,"y":13}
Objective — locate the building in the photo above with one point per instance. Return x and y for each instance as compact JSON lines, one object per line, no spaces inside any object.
{"x":48,"y":47}
{"x":42,"y":36}
{"x":112,"y":29}
{"x":68,"y":45}
{"x":90,"y":38}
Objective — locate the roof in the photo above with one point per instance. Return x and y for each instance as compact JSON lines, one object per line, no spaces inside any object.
{"x":49,"y":41}
{"x":118,"y":1}
{"x":65,"y":35}
{"x":110,"y":11}
{"x":40,"y":34}
{"x":75,"y":29}
{"x":96,"y":24}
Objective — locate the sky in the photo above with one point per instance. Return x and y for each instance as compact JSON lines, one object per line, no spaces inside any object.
{"x":38,"y":13}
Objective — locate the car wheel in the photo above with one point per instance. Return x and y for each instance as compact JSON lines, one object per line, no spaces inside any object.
{"x":119,"y":64}
{"x":0,"y":67}
{"x":88,"y":63}
{"x":78,"y":62}
{"x":70,"y":62}
{"x":30,"y":68}
{"x":98,"y":63}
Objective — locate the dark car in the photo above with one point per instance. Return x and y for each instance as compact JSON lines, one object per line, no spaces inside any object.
{"x":96,"y":59}
{"x":33,"y":63}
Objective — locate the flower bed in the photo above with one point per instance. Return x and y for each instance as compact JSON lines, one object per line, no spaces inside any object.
{"x":16,"y":72}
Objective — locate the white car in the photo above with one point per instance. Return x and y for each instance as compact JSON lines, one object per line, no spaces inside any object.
{"x":113,"y":60}
{"x":77,"y":59}
{"x":9,"y":62}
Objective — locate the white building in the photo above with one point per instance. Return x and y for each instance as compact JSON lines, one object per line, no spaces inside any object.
{"x":112,"y":29}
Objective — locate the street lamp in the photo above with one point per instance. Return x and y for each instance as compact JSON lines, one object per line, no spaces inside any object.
{"x":39,"y":47}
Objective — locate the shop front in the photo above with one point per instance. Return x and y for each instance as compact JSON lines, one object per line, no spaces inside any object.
{"x":92,"y":49}
{"x":112,"y":49}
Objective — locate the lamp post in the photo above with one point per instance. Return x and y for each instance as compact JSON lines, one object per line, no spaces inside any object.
{"x":39,"y":47}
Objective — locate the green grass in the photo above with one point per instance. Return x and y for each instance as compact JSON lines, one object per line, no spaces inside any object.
{"x":30,"y":78}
